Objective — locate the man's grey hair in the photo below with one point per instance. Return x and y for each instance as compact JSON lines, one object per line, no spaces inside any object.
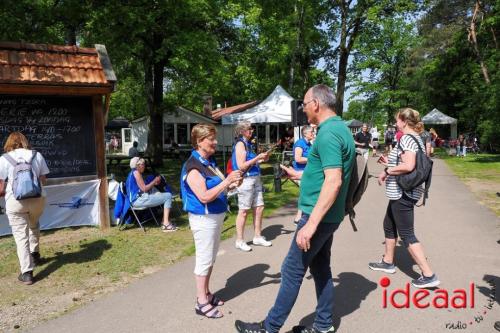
{"x":306,"y":129}
{"x":324,"y":95}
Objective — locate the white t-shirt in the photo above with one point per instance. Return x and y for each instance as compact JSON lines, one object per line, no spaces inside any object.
{"x":392,"y":189}
{"x":38,"y":165}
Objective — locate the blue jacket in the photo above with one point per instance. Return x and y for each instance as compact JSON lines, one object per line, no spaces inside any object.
{"x":306,"y":146}
{"x":254,"y":169}
{"x":190,"y":201}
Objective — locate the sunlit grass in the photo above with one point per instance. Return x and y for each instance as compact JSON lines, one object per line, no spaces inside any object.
{"x":87,"y":261}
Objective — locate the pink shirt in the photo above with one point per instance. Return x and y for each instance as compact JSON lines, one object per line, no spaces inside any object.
{"x":399,"y":134}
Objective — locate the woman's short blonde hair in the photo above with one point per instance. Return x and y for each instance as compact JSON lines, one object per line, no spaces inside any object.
{"x":16,"y":140}
{"x":136,"y":160}
{"x":200,"y":132}
{"x":412,"y":118}
{"x":241,"y":127}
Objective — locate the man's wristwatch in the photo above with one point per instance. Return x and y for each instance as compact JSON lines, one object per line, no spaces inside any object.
{"x":386,"y":172}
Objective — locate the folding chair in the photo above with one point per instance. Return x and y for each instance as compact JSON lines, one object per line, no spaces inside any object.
{"x":286,"y":157}
{"x":138,"y":211}
{"x":177,"y":199}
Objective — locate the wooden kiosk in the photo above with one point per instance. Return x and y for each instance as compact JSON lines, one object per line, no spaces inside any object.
{"x":58,"y":96}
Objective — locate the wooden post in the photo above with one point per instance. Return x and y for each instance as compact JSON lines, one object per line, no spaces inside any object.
{"x":97,"y":107}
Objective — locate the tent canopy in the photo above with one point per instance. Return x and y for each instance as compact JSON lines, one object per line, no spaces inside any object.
{"x":117,"y":123}
{"x":438,"y":118}
{"x":353,"y":123}
{"x":276,"y":108}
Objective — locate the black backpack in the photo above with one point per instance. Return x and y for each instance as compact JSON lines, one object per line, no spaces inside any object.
{"x":357,"y":186}
{"x":421,"y":174}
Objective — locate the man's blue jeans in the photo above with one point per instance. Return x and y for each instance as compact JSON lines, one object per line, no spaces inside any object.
{"x":293,"y":270}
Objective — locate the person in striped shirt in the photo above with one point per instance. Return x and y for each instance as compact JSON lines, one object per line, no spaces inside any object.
{"x":399,"y":218}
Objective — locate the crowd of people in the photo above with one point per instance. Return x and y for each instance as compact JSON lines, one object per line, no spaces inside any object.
{"x":323,"y":160}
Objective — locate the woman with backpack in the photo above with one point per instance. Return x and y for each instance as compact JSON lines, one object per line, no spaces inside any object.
{"x":399,"y":218}
{"x":24,"y":202}
{"x":203,"y":188}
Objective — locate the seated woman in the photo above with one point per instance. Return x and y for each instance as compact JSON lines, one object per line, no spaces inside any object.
{"x":143,"y":195}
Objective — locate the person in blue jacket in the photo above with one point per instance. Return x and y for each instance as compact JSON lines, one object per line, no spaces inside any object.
{"x":250,"y":196}
{"x":203,"y":189}
{"x":300,"y":152}
{"x":142,"y":193}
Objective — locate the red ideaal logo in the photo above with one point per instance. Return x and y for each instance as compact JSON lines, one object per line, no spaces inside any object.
{"x":423,"y":298}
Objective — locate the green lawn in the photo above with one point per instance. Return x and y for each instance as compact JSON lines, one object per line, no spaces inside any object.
{"x":480,"y":166}
{"x":83,"y":262}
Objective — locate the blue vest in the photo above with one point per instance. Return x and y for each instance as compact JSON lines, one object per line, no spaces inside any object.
{"x":133,"y":189}
{"x":302,"y":143}
{"x":254,"y":169}
{"x":190,"y":201}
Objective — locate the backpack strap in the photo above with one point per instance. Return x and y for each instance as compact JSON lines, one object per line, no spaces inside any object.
{"x":32,"y":157}
{"x":10,"y":159}
{"x":418,"y":143}
{"x":399,"y":146}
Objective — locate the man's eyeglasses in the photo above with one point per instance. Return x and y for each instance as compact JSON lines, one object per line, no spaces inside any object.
{"x":305,"y":103}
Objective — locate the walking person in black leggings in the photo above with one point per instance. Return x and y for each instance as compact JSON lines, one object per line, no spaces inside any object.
{"x":399,"y":218}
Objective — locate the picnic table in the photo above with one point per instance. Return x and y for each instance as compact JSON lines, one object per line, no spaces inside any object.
{"x":117,"y":161}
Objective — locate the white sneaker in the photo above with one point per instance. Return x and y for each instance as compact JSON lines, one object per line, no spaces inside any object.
{"x":242,"y":245}
{"x":261,"y":241}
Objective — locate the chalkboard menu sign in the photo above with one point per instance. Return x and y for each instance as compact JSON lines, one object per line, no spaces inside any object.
{"x":60,"y":128}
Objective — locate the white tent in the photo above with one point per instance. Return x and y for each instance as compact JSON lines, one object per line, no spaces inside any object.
{"x":276,"y":108}
{"x":436,"y":117}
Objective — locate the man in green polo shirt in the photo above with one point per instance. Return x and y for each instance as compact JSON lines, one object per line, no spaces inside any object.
{"x":323,"y":191}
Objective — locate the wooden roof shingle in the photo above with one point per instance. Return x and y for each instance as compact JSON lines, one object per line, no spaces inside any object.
{"x":44,"y":64}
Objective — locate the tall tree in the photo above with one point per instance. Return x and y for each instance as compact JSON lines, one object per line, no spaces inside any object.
{"x":151,"y":31}
{"x":346,"y":21}
{"x":383,"y":53}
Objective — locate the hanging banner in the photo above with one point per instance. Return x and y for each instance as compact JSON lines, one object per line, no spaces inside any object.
{"x":66,"y":205}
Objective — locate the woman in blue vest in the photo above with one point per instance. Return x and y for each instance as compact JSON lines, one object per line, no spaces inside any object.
{"x":203,"y":189}
{"x":250,"y":191}
{"x":142,"y":195}
{"x":300,"y":152}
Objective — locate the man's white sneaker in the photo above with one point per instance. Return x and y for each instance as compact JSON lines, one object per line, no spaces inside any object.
{"x":242,"y":245}
{"x":261,"y":241}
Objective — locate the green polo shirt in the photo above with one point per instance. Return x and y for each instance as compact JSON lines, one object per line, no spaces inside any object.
{"x":333,"y":148}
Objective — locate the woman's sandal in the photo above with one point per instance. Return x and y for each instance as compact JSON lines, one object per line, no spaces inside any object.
{"x":213,"y":314}
{"x":214,"y":300}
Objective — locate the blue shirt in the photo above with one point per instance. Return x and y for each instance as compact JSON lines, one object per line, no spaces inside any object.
{"x":190,"y":201}
{"x":306,"y":146}
{"x":254,"y":169}
{"x":133,"y":190}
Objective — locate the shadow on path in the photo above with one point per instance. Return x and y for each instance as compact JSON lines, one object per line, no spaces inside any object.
{"x":404,"y":262}
{"x":349,"y":291}
{"x":276,"y":230}
{"x":88,"y":252}
{"x":246,"y":279}
{"x":492,"y":288}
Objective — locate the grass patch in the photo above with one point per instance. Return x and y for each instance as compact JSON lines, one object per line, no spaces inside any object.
{"x":84,"y":262}
{"x":481,"y":173}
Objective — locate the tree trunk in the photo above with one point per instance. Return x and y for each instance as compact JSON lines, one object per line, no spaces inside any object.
{"x":297,"y":50}
{"x":156,"y":116}
{"x":473,"y":41}
{"x":343,"y":58}
{"x":70,"y":36}
{"x":341,"y":80}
